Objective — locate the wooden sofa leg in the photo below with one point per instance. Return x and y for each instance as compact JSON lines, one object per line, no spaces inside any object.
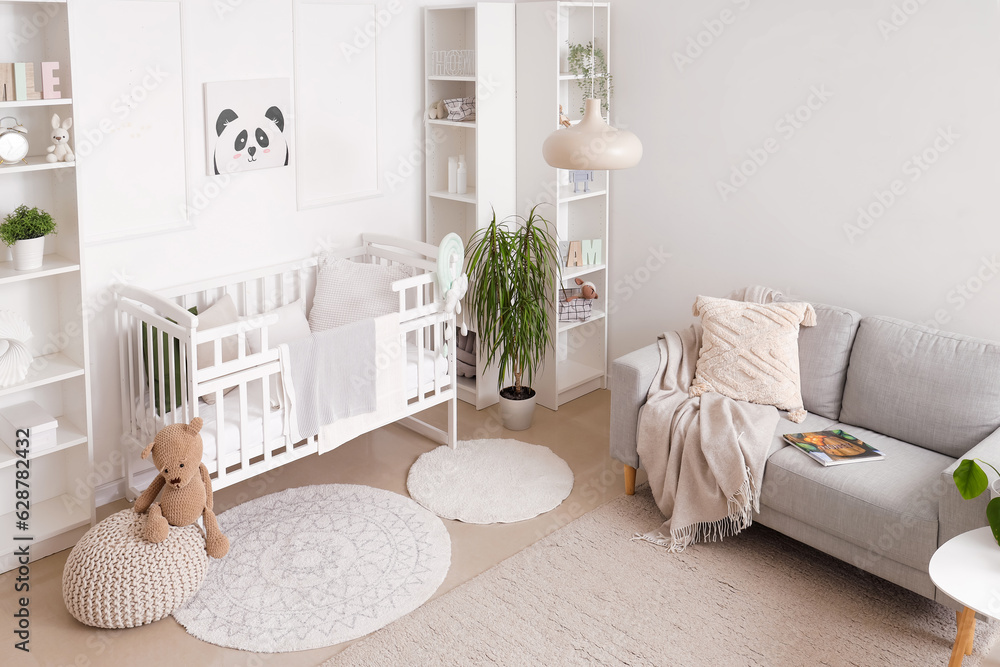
{"x":629,"y":480}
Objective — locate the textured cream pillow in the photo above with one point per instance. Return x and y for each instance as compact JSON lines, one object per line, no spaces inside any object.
{"x":750,"y":352}
{"x":349,"y":291}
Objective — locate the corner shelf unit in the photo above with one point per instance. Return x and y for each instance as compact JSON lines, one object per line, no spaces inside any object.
{"x":51,"y":299}
{"x":488,"y":142}
{"x":578,"y":364}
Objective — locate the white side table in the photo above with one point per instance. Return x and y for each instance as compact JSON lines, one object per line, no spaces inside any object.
{"x":967,"y":568}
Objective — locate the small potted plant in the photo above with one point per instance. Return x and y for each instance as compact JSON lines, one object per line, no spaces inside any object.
{"x":588,"y":62}
{"x":971,"y":482}
{"x":24,"y":231}
{"x":513,"y":268}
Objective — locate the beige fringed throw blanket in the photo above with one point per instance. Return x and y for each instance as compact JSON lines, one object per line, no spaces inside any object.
{"x":705,"y":456}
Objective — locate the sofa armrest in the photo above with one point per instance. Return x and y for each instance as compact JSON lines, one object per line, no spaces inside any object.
{"x":957,"y":515}
{"x":631,"y":377}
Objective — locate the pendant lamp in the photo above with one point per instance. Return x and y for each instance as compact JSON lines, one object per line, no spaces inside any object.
{"x":592,"y":143}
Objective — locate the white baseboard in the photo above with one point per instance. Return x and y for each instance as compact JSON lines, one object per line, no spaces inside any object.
{"x":108,"y":493}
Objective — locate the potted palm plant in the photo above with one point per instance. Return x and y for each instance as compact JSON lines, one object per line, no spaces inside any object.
{"x":513,"y":266}
{"x":24,"y":231}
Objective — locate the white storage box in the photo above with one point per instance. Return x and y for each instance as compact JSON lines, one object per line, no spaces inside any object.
{"x":31,"y":416}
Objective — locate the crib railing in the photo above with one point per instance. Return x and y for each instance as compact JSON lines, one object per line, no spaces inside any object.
{"x":162,"y":383}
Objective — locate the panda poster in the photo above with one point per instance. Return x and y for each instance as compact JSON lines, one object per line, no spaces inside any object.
{"x":247,"y":125}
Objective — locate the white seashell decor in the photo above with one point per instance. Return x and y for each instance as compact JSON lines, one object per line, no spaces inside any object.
{"x":15,"y":358}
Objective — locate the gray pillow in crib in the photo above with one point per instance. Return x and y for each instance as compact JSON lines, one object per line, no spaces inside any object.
{"x":349,"y":291}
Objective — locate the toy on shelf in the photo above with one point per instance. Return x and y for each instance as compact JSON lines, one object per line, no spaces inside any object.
{"x":187,"y":488}
{"x":564,"y":119}
{"x":60,"y":151}
{"x":587,"y":291}
{"x":437,"y":111}
{"x":575,"y":305}
{"x":580,"y":177}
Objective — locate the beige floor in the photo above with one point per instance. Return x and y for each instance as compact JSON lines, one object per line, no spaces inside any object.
{"x":578,"y":433}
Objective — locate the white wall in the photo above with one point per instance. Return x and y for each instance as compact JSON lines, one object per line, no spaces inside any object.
{"x":892,"y":91}
{"x":253,"y":221}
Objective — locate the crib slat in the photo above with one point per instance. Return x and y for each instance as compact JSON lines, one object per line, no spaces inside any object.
{"x":420,"y":351}
{"x":185,"y":389}
{"x":243,"y":390}
{"x":171,"y":399}
{"x":265,"y":394}
{"x":437,"y":345}
{"x":220,"y":422}
{"x":132,"y":380}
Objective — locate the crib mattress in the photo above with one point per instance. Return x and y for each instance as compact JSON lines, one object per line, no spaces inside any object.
{"x":254,"y":437}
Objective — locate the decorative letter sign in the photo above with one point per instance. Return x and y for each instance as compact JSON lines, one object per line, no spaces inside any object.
{"x":592,"y":252}
{"x":50,"y":81}
{"x":7,"y":82}
{"x":575,"y":256}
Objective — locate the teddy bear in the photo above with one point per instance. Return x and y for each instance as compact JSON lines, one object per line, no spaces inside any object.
{"x":186,"y":486}
{"x":587,"y":291}
{"x":60,"y":151}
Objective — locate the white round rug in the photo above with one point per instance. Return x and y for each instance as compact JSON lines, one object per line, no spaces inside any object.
{"x":316,"y":566}
{"x":490,"y":481}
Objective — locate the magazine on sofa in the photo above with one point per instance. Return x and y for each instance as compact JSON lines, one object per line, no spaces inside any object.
{"x":833,"y":448}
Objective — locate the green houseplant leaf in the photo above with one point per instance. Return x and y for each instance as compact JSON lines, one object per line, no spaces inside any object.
{"x":513,"y":269}
{"x":24,"y":224}
{"x":970,"y":479}
{"x":588,"y":62}
{"x":993,"y":516}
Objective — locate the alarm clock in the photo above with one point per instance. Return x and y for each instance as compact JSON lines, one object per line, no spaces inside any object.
{"x":13,"y":140}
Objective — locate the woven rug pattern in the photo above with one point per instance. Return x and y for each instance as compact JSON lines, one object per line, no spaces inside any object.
{"x":588,"y":595}
{"x":315,"y":566}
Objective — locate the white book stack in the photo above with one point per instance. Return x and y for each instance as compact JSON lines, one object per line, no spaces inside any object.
{"x":41,"y":426}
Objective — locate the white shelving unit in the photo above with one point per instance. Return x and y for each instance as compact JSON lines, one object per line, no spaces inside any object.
{"x":578,"y":365}
{"x":51,"y":300}
{"x":488,"y":142}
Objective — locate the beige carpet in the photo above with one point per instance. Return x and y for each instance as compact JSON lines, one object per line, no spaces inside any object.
{"x":588,"y":595}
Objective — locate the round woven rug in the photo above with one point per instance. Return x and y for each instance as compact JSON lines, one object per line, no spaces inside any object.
{"x":316,"y":566}
{"x":490,"y":481}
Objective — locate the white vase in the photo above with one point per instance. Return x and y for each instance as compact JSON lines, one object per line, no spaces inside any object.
{"x":517,"y":415}
{"x":28,"y":254}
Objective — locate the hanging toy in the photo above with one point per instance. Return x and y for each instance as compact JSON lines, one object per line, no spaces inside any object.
{"x":452,"y":282}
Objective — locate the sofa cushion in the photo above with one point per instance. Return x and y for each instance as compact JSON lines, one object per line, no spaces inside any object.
{"x":888,"y":507}
{"x":749,"y":351}
{"x":824,"y":353}
{"x":931,"y":388}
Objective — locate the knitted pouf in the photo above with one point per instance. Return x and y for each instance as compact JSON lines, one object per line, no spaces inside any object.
{"x":114,"y":578}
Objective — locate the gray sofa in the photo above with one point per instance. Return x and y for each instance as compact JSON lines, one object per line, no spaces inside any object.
{"x":926,"y":398}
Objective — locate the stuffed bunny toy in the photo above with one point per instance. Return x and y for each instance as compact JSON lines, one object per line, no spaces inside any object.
{"x":60,"y":151}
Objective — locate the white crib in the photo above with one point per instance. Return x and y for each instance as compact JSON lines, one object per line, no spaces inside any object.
{"x":244,"y":434}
